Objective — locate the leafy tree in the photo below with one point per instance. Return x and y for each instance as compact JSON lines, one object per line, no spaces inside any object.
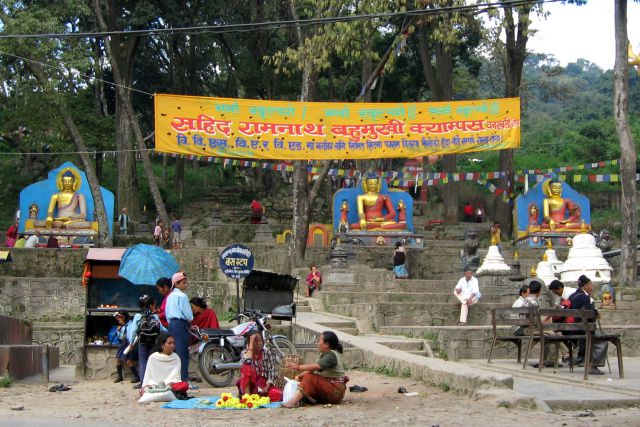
{"x":125,"y":100}
{"x":443,"y":40}
{"x":71,"y":59}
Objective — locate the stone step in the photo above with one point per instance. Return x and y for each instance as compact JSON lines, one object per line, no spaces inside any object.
{"x":405,"y":345}
{"x":336,"y":298}
{"x":304,"y":309}
{"x":419,"y":353}
{"x":474,"y":342}
{"x":347,"y":326}
{"x":350,"y":331}
{"x":420,"y":314}
{"x":339,"y":324}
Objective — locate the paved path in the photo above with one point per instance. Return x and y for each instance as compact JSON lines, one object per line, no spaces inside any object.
{"x":548,"y":390}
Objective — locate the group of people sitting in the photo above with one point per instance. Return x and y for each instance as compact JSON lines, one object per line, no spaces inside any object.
{"x":321,"y":382}
{"x":154,"y":345}
{"x":570,"y":298}
{"x":14,"y":239}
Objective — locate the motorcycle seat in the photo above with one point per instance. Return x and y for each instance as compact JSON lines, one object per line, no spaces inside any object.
{"x":217,"y":332}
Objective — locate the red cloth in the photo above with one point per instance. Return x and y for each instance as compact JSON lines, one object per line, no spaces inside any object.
{"x":12,"y":236}
{"x":253,"y":382}
{"x":256,"y":208}
{"x":52,"y":242}
{"x":319,"y":389}
{"x":256,"y":212}
{"x":468,"y":210}
{"x":161,"y":313}
{"x":207,"y":319}
{"x":314,"y":284}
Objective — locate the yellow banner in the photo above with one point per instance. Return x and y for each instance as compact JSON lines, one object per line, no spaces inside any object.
{"x":245,"y":128}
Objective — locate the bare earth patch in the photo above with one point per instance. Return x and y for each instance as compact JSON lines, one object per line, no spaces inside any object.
{"x":102,"y":402}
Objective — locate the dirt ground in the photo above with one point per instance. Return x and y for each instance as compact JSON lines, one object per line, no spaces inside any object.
{"x":105,"y":403}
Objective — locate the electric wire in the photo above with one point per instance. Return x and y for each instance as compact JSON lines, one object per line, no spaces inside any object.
{"x":267,"y":25}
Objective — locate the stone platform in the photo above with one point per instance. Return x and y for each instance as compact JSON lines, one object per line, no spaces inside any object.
{"x":386,"y":238}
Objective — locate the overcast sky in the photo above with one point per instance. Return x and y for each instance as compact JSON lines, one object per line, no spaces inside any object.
{"x":571,"y":32}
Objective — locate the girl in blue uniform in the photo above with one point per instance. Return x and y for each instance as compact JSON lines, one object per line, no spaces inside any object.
{"x":131,"y":358}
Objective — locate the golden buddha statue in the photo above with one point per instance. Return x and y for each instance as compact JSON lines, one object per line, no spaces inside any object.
{"x":559,"y":213}
{"x":71,"y":205}
{"x":371,"y":206}
{"x":495,"y":232}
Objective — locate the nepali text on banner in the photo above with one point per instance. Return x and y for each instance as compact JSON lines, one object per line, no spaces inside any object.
{"x":244,"y":128}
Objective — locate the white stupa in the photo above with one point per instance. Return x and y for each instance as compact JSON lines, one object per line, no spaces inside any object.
{"x":544,"y":269}
{"x":585,"y":258}
{"x":493,"y":263}
{"x":552,"y":258}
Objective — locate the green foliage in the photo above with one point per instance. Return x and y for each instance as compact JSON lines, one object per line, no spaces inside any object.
{"x":386,"y":371}
{"x":5,"y":382}
{"x":444,"y":387}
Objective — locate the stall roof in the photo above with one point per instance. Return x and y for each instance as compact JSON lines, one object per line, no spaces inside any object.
{"x":107,"y":254}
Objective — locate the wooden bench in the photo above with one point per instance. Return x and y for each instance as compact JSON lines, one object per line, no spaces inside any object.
{"x":508,"y":316}
{"x":582,"y":330}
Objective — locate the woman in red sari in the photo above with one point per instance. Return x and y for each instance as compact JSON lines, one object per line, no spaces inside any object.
{"x":314,"y":281}
{"x":258,"y":371}
{"x":323,"y":381}
{"x":203,"y":316}
{"x":12,"y":236}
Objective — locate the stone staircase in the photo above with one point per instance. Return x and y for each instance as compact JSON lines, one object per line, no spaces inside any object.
{"x":425,"y":308}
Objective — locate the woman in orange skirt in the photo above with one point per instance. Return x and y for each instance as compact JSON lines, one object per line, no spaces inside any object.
{"x":323,"y":381}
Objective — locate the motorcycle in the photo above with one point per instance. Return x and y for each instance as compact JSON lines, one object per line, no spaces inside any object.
{"x":219,"y":350}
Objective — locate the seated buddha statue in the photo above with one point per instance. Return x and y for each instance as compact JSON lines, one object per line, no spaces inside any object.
{"x":559,"y":213}
{"x":71,"y":205}
{"x":375,"y":210}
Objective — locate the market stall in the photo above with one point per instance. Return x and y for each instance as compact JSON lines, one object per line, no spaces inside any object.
{"x":107,"y":293}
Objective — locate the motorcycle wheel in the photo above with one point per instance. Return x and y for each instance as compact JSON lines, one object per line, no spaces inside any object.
{"x":285,"y":346}
{"x":211,"y":354}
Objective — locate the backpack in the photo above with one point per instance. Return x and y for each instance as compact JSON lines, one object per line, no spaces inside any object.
{"x":566,"y":304}
{"x":148,"y":329}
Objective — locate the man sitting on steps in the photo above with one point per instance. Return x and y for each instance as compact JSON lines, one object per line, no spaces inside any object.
{"x":468,"y":293}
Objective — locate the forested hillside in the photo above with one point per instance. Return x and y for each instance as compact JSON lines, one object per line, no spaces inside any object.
{"x":567,"y":111}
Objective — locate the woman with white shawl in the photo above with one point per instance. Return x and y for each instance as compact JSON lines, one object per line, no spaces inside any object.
{"x":163,"y":366}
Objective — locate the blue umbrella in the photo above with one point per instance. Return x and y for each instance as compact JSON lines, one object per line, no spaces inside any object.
{"x":145,"y":264}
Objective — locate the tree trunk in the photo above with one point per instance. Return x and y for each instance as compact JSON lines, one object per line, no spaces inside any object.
{"x":440,"y":81}
{"x":123,"y":95}
{"x":127,"y":193}
{"x":300,"y":227}
{"x":165,"y":163}
{"x":367,"y":67}
{"x":104,"y":238}
{"x":450,"y":191}
{"x":516,"y":38}
{"x":99,"y":164}
{"x":178,"y":176}
{"x":628,"y":155}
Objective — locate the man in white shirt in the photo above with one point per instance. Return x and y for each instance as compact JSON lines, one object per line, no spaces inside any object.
{"x":522,"y":296}
{"x":33,"y":240}
{"x":561,"y":291}
{"x":468,"y":293}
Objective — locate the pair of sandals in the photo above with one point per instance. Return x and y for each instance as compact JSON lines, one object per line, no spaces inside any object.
{"x":357,"y":389}
{"x":59,"y":387}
